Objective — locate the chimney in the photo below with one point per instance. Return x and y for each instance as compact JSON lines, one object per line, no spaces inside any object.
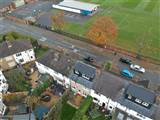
{"x":9,"y":44}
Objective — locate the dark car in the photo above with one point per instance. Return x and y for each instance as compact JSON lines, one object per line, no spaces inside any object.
{"x":89,"y":59}
{"x":45,"y":98}
{"x":125,"y":60}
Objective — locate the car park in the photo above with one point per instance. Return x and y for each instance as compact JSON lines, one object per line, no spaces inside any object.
{"x":127,"y":73}
{"x":125,"y":60}
{"x":137,"y":68}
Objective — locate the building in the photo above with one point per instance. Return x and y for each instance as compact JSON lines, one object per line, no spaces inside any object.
{"x":2,"y":106}
{"x":17,"y":3}
{"x":77,"y":7}
{"x":5,"y":6}
{"x":15,"y":52}
{"x":107,"y":90}
{"x":82,"y":78}
{"x":58,"y":65}
{"x":3,"y":83}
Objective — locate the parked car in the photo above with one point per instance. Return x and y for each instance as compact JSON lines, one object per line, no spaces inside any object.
{"x":125,"y":60}
{"x":89,"y":59}
{"x":45,"y":98}
{"x":137,"y":68}
{"x":127,"y":73}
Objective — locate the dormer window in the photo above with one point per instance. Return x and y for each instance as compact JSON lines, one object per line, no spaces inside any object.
{"x":76,"y":72}
{"x":145,"y":104}
{"x":84,"y":76}
{"x":138,"y":100}
{"x":18,"y":54}
{"x":129,"y":96}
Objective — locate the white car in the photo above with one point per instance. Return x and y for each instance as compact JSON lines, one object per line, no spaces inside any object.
{"x":137,"y":68}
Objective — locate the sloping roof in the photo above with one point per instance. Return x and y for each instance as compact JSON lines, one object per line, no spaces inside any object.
{"x":16,"y":47}
{"x":58,"y":61}
{"x":24,"y":117}
{"x":78,"y":5}
{"x":86,"y":69}
{"x":141,"y":93}
{"x":4,"y":3}
{"x":80,"y":80}
{"x":109,"y":85}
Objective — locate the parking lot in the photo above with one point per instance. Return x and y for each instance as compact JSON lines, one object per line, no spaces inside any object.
{"x":32,"y":10}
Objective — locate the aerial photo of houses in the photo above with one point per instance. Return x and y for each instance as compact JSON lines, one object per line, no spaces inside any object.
{"x":79,"y":59}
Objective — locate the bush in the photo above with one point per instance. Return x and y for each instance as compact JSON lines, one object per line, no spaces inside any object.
{"x":108,"y":65}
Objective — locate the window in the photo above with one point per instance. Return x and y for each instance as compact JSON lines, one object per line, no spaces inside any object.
{"x":18,"y":54}
{"x":138,"y":100}
{"x":76,"y":72}
{"x":84,"y":76}
{"x":129,"y":96}
{"x":21,"y":60}
{"x":145,"y":104}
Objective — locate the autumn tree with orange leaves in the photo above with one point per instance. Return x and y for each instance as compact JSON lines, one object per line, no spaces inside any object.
{"x":58,"y":21}
{"x":103,"y":31}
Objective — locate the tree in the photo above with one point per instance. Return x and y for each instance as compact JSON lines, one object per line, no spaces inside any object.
{"x":103,"y":31}
{"x":58,"y":21}
{"x":80,"y":113}
{"x":108,"y":65}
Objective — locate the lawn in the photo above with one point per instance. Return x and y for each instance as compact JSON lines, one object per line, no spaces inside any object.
{"x":67,"y":112}
{"x":136,"y":20}
{"x":40,"y":51}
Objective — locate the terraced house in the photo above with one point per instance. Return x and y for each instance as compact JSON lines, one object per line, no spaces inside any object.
{"x":15,"y":52}
{"x":128,"y":101}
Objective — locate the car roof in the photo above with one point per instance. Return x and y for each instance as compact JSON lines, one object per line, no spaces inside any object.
{"x":126,"y":71}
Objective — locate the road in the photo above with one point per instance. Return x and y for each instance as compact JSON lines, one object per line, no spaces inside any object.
{"x":82,"y":48}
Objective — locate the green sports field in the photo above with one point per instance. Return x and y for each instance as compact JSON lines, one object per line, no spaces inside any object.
{"x":136,"y":20}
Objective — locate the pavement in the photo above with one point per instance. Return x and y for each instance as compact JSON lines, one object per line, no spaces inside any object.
{"x":84,"y":49}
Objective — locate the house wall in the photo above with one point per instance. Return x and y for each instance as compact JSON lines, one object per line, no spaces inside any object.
{"x":7,"y":63}
{"x":3,"y":83}
{"x":101,"y":99}
{"x":2,"y":108}
{"x":25,"y":57}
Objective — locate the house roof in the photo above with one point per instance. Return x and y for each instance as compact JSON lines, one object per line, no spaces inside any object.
{"x":16,"y":47}
{"x":109,"y":85}
{"x":4,"y":3}
{"x":24,"y":117}
{"x":86,"y":69}
{"x":81,"y":81}
{"x":78,"y":5}
{"x":141,"y":93}
{"x":61,"y":62}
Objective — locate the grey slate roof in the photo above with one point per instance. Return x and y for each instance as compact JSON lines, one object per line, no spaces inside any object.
{"x":109,"y":85}
{"x":86,"y":69}
{"x":58,"y":61}
{"x":141,"y":93}
{"x":17,"y":46}
{"x":82,"y":81}
{"x":138,"y":108}
{"x":4,"y":3}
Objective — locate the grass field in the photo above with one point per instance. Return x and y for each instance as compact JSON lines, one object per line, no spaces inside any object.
{"x":136,"y":20}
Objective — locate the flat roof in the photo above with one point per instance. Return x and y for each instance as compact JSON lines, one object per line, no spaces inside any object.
{"x":78,"y":5}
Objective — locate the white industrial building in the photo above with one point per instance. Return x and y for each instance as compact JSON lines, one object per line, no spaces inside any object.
{"x":77,"y":7}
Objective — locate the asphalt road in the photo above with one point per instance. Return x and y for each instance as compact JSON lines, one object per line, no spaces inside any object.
{"x":65,"y":42}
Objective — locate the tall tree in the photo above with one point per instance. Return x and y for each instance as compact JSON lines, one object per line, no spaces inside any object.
{"x":103,"y":31}
{"x":58,"y":21}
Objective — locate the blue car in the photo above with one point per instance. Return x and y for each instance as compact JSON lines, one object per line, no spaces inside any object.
{"x":127,"y":73}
